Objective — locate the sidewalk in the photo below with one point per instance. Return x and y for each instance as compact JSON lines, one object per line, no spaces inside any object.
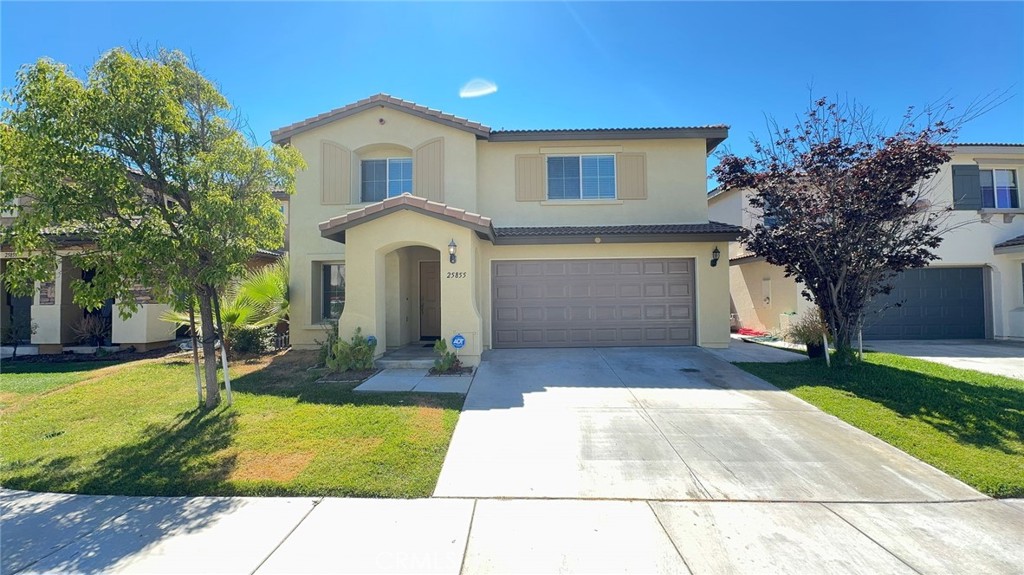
{"x":55,"y":533}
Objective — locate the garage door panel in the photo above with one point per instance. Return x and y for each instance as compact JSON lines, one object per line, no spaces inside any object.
{"x":654,"y":290}
{"x":593,"y":303}
{"x":680,"y":266}
{"x":630,"y":290}
{"x":934,"y":303}
{"x":629,"y":268}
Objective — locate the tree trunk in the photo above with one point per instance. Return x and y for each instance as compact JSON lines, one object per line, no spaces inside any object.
{"x":209,"y":330}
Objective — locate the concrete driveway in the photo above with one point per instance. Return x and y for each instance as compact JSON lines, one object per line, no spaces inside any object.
{"x":664,"y":424}
{"x":989,"y":356}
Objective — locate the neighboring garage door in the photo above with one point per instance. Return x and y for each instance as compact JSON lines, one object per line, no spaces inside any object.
{"x":937,"y":303}
{"x":593,"y":303}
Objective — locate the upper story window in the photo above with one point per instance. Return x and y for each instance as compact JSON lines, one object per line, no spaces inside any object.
{"x":581,"y":177}
{"x":386,"y":178}
{"x":999,"y":189}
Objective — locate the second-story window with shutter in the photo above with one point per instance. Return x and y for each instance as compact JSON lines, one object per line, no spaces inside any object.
{"x":590,"y":177}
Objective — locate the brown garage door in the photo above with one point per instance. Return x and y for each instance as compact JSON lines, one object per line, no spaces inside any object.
{"x":593,"y":303}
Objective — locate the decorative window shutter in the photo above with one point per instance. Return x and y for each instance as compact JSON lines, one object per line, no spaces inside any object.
{"x":530,"y":184}
{"x":336,"y":176}
{"x":966,"y":187}
{"x":428,"y":170}
{"x":631,"y":176}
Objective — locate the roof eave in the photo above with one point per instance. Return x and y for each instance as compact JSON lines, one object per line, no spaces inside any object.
{"x":614,"y":239}
{"x":284,"y":135}
{"x":336,"y":232}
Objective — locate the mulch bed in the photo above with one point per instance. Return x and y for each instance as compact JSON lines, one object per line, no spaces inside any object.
{"x":120,"y":356}
{"x":348,"y":376}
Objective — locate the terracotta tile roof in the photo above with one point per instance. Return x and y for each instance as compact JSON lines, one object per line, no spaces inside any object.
{"x":637,"y":129}
{"x":386,"y":100}
{"x":626,"y":230}
{"x":334,"y":228}
{"x":1012,"y":242}
{"x":713,"y":133}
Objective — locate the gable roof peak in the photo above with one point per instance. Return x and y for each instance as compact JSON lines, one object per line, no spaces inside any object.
{"x":283,"y":135}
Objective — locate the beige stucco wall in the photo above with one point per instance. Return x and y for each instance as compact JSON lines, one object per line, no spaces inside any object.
{"x":144,"y":326}
{"x":364,"y":135}
{"x":383,"y":251}
{"x":369,"y":245}
{"x":53,"y":322}
{"x":761,"y":294}
{"x":676,"y":185}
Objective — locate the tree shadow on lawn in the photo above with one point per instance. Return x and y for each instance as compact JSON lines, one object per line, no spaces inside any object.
{"x":980,"y":415}
{"x":98,"y":531}
{"x":170,"y":459}
{"x":286,"y":375}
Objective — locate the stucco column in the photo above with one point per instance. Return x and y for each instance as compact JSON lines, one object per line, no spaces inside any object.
{"x":54,"y":311}
{"x":460,"y":313}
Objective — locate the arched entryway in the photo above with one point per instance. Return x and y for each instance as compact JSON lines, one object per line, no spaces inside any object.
{"x":412,"y":290}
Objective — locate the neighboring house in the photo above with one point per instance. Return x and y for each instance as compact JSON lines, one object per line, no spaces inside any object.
{"x":431,"y":225}
{"x":54,"y":313}
{"x":975,"y":289}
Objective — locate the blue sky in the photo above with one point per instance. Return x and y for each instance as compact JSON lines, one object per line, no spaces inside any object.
{"x":562,"y":65}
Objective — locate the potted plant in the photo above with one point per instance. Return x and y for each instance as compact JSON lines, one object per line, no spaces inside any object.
{"x":810,"y":331}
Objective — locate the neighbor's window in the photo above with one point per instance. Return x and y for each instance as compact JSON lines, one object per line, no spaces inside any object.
{"x":999,"y":189}
{"x":333,"y":291}
{"x":581,"y":177}
{"x":386,"y":178}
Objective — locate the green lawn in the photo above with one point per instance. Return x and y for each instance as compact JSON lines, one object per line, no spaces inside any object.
{"x":134,"y":429}
{"x":966,"y":423}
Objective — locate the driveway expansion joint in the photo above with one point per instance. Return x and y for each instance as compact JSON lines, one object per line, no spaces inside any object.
{"x":870,"y":538}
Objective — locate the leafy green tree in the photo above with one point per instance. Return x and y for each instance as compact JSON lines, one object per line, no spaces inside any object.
{"x":143,"y":160}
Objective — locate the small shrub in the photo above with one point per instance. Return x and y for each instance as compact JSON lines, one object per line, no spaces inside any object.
{"x":251,"y":340}
{"x":18,"y":330}
{"x":327,"y":345}
{"x":448,"y":362}
{"x":91,"y":330}
{"x":808,"y":329}
{"x":353,"y":355}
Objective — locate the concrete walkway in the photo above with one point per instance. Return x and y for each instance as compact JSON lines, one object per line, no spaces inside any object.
{"x":52,"y":533}
{"x":415,"y":379}
{"x":988,"y":356}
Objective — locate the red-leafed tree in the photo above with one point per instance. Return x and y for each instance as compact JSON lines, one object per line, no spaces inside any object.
{"x":843,"y":206}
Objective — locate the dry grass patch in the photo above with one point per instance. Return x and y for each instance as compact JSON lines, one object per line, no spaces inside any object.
{"x":281,"y":466}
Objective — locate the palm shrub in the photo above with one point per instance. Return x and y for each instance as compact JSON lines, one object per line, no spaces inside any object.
{"x":257,"y":300}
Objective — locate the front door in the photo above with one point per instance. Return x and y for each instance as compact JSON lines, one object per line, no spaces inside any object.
{"x":430,"y":300}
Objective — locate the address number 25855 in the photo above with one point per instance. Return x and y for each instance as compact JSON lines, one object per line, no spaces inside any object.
{"x":456,"y":275}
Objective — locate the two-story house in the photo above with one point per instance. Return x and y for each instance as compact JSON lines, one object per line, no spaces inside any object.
{"x":974,"y":290}
{"x":413,"y":224}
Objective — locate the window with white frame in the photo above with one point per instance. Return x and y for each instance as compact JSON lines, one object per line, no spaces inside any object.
{"x":999,"y":189}
{"x":386,"y":178}
{"x":332,"y":294}
{"x":589,"y":177}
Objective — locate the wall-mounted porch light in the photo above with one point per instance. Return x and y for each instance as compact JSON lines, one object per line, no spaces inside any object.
{"x":451,"y":250}
{"x":715,"y":254}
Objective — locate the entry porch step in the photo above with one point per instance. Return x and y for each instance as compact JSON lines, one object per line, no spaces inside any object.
{"x":418,"y":355}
